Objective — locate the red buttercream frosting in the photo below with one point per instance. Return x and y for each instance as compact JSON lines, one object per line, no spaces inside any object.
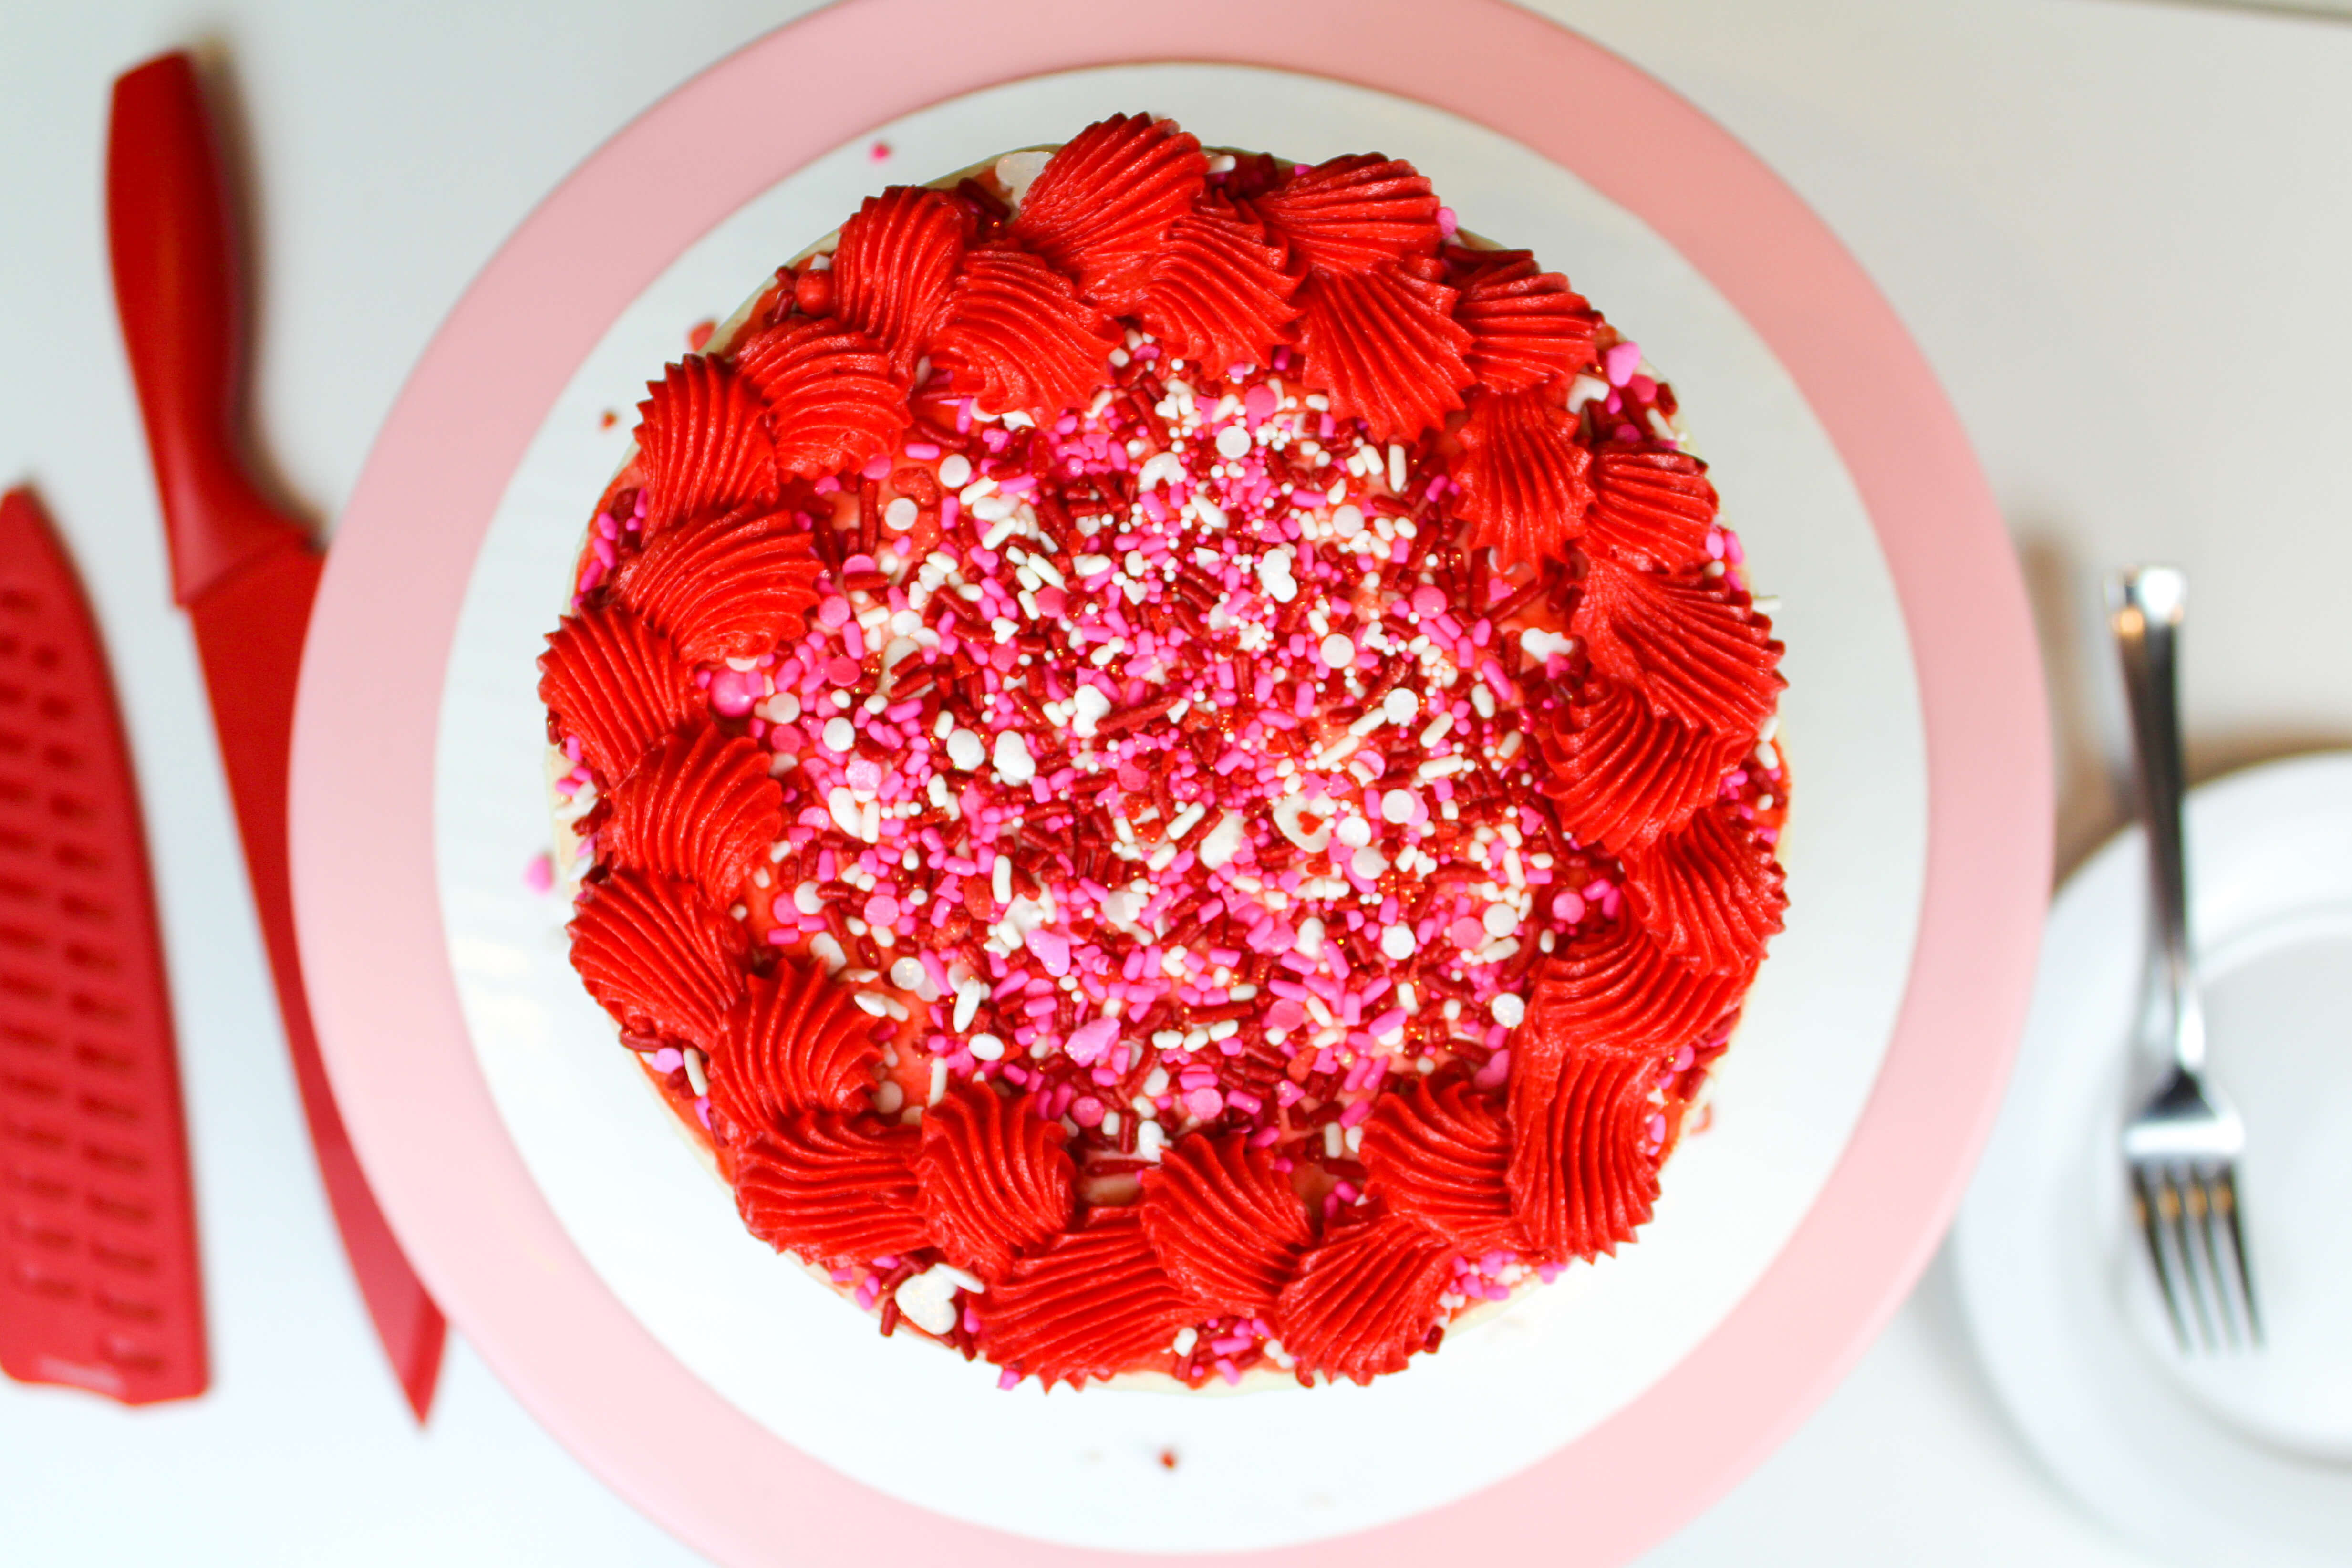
{"x":700,"y":806}
{"x":733,"y":589}
{"x":658,"y":957}
{"x":1440,"y":1155}
{"x":703,"y":436}
{"x":1368,"y":1297}
{"x":995,"y":1180}
{"x":891,"y":273}
{"x":834,"y":1188}
{"x":1526,"y":326}
{"x":1100,"y":206}
{"x":794,"y":1041}
{"x":1324,"y":673}
{"x":1523,"y":476}
{"x":1225,"y":1223}
{"x":614,"y":685}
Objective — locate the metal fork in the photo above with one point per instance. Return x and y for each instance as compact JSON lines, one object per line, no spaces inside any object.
{"x":2182,"y":1148}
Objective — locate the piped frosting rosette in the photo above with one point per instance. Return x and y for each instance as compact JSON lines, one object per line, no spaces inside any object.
{"x":1168,"y":760}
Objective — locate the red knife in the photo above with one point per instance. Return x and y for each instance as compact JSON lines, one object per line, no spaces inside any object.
{"x":99,"y":1274}
{"x":246,"y":576}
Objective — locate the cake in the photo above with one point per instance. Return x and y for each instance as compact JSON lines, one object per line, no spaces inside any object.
{"x":1166,"y":762}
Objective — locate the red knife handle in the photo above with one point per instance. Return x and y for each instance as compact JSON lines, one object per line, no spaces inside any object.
{"x":175,"y":289}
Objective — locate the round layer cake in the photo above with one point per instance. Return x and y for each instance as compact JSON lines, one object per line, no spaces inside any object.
{"x":1167,"y":761}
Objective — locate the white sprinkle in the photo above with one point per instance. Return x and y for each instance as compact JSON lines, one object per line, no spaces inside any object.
{"x":1310,"y":937}
{"x":1398,"y":942}
{"x":1151,"y":1138}
{"x":1186,"y":1337}
{"x":1396,"y":468}
{"x":1347,"y":520}
{"x":1016,"y":172}
{"x":840,"y":735}
{"x":1334,"y":1140}
{"x":1000,"y":879}
{"x":1014,"y":765}
{"x":806,"y":898}
{"x":1584,"y":389}
{"x":1222,"y":842}
{"x":890,"y":1097}
{"x":1500,"y":921}
{"x":1088,"y":707}
{"x":905,"y":973}
{"x":828,"y":952}
{"x":1338,"y":653}
{"x":871,"y":1004}
{"x":938,"y":1074}
{"x":842,"y":804}
{"x":928,"y":1301}
{"x":1355,"y":832}
{"x":1768,"y":757}
{"x":1159,"y":469}
{"x":965,"y":750}
{"x":986,"y":1047}
{"x":1398,"y":805}
{"x":1290,"y":814}
{"x":955,"y":470}
{"x":1233,"y":441}
{"x":1400,"y":705}
{"x":1367,"y":863}
{"x":1507,"y":1010}
{"x":900,"y":515}
{"x":698,"y":1078}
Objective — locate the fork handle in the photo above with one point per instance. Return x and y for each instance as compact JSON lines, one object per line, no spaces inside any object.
{"x":2144,"y":605}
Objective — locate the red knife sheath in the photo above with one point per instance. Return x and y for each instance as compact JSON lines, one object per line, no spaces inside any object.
{"x":99,"y":1274}
{"x":246,"y":576}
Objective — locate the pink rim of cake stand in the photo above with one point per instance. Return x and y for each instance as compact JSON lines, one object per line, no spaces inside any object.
{"x":482,"y":1234}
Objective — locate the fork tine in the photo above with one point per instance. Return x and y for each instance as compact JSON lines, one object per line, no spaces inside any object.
{"x":2148,"y":1205}
{"x":2226,"y":1192}
{"x":2211,"y":1283}
{"x":2177,"y":1185}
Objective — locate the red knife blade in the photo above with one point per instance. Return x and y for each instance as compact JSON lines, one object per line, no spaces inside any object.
{"x":246,"y":576}
{"x":100,"y":1283}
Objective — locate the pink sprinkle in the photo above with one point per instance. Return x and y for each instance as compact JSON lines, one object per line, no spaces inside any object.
{"x":730,"y":694}
{"x":841,"y":671}
{"x":1259,"y":403}
{"x":881,"y":910}
{"x":1203,"y":1102}
{"x":540,"y":875}
{"x":1468,"y":934}
{"x":1091,"y":1040}
{"x":832,"y":612}
{"x":864,"y":773}
{"x":667,"y":1059}
{"x":1008,"y":1378}
{"x":1428,"y":600}
{"x":1568,"y":908}
{"x":1622,"y":362}
{"x":1355,"y":1113}
{"x":880,"y":153}
{"x":1052,"y":950}
{"x":702,"y":1109}
{"x":1446,"y":222}
{"x":1087,"y":1110}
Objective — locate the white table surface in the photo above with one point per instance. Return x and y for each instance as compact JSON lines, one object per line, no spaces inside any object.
{"x":2120,"y":230}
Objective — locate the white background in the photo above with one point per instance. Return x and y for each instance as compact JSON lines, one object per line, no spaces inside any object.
{"x":2120,"y":230}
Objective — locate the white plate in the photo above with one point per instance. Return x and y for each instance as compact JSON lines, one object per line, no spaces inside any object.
{"x":2244,"y":1460}
{"x":1282,"y":1466}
